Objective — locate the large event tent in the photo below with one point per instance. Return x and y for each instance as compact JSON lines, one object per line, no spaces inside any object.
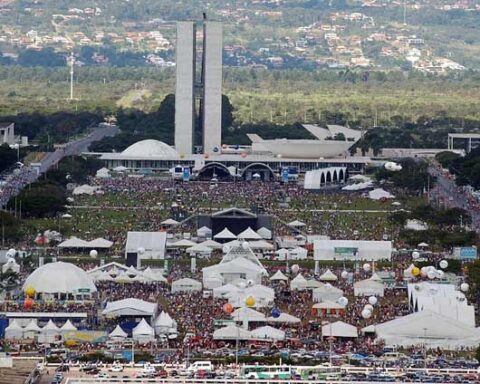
{"x":267,"y":333}
{"x":368,"y":287}
{"x":225,"y":235}
{"x":186,"y":285}
{"x":279,"y":276}
{"x":339,"y":329}
{"x":130,"y":307}
{"x":284,"y":318}
{"x":232,"y":270}
{"x":231,"y":332}
{"x":326,"y":293}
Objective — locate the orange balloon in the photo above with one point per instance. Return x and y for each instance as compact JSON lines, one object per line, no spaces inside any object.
{"x":28,"y":303}
{"x":228,"y":308}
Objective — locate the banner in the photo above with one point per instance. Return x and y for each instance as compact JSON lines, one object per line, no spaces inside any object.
{"x":186,"y":174}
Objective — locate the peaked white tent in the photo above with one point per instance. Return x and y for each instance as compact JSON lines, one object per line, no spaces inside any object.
{"x":143,"y":332}
{"x":186,"y":285}
{"x":284,"y":318}
{"x":249,"y":234}
{"x":313,"y":284}
{"x":184,"y":243}
{"x":265,"y":233}
{"x":204,"y":232}
{"x":211,"y":244}
{"x":298,"y":283}
{"x":169,"y":222}
{"x":282,"y":254}
{"x":225,"y":234}
{"x":298,"y":253}
{"x":51,"y":328}
{"x":279,"y":276}
{"x":31,"y":330}
{"x":13,"y":331}
{"x":118,"y":334}
{"x":231,"y":332}
{"x":267,"y":333}
{"x":130,"y":307}
{"x":165,"y":325}
{"x":339,"y":329}
{"x":74,"y":242}
{"x":100,"y":243}
{"x":296,"y":224}
{"x":67,"y":327}
{"x":326,"y":293}
{"x":248,"y":314}
{"x":264,"y":296}
{"x":199,"y":249}
{"x":231,"y":270}
{"x":328,"y":275}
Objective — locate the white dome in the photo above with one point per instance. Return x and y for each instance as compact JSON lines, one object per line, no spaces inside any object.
{"x":60,"y":277}
{"x":150,"y":148}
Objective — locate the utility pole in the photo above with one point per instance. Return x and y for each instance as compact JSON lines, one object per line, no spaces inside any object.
{"x":72,"y":62}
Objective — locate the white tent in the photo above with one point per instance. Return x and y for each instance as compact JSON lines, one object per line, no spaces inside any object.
{"x":204,"y":232}
{"x":84,"y":190}
{"x":199,"y":249}
{"x":232,"y":270}
{"x":358,"y":186}
{"x":130,"y":307}
{"x":339,"y":329}
{"x":298,"y":283}
{"x":248,"y":314}
{"x":164,"y":324}
{"x":379,"y":194}
{"x":368,"y":287}
{"x":31,"y":330}
{"x":284,"y":318}
{"x":264,"y":296}
{"x":225,"y":234}
{"x":261,"y":245}
{"x":51,"y":328}
{"x":67,"y":327}
{"x":118,"y":334}
{"x":74,"y":242}
{"x":231,"y":332}
{"x":249,"y":234}
{"x":169,"y":222}
{"x":279,"y":275}
{"x":267,"y":333}
{"x":296,"y":224}
{"x":328,"y":275}
{"x":13,"y":331}
{"x":328,"y":305}
{"x":100,"y":243}
{"x":416,"y":225}
{"x":225,"y":290}
{"x":211,"y":244}
{"x":143,"y":332}
{"x":184,"y":243}
{"x":326,"y":293}
{"x":103,"y":173}
{"x":265,"y":233}
{"x":186,"y":285}
{"x":298,"y":253}
{"x":152,"y":244}
{"x":312,"y":284}
{"x":282,"y":254}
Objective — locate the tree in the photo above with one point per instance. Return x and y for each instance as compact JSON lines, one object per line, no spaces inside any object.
{"x":8,"y":157}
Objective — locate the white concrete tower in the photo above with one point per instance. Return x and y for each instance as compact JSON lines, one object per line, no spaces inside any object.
{"x":212,"y":86}
{"x":185,"y":87}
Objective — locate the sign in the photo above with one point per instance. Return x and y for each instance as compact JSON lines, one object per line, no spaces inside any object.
{"x":83,"y":290}
{"x":465,"y":253}
{"x":285,"y":174}
{"x":346,"y":251}
{"x":186,"y":174}
{"x":222,"y":323}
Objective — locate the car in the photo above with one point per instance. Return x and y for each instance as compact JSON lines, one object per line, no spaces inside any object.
{"x":162,"y":374}
{"x":116,"y":368}
{"x":102,"y":375}
{"x":93,"y":371}
{"x":63,"y":368}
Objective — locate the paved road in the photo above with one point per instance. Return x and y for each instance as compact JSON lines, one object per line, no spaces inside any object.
{"x":447,"y":193}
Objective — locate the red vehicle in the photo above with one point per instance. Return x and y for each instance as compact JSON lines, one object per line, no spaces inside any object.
{"x":162,"y":374}
{"x":201,"y":374}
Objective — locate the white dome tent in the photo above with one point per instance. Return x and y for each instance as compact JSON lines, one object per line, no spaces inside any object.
{"x":61,"y":280}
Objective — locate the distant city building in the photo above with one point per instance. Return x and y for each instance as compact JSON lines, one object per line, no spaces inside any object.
{"x":7,"y":133}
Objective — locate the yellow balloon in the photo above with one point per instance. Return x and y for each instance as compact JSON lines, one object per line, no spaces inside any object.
{"x":250,"y":302}
{"x":415,"y":271}
{"x":30,"y":291}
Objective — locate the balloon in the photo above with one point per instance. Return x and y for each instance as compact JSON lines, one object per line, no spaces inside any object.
{"x":415,"y":255}
{"x":343,"y":301}
{"x":215,"y":149}
{"x":30,"y":291}
{"x":205,"y":155}
{"x":245,"y":245}
{"x":141,"y":250}
{"x":344,"y":274}
{"x":11,"y":252}
{"x":295,"y":268}
{"x":464,"y":287}
{"x":243,"y":154}
{"x":444,"y":264}
{"x":228,"y":308}
{"x":415,"y":271}
{"x":372,"y":300}
{"x":250,"y":301}
{"x":275,"y":313}
{"x":93,"y":253}
{"x":431,"y":274}
{"x":440,"y":274}
{"x":328,"y":286}
{"x":28,"y":303}
{"x":366,"y":267}
{"x":368,"y":307}
{"x":366,"y":314}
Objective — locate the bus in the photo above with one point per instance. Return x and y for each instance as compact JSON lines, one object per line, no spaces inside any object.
{"x":265,"y":372}
{"x":320,"y":372}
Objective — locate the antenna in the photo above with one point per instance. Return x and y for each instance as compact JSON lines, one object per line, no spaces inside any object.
{"x":72,"y":63}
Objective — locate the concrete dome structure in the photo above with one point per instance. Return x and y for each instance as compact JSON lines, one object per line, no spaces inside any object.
{"x":60,"y":278}
{"x":149,"y":148}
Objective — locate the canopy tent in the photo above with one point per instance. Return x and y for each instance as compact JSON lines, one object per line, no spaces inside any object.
{"x":265,"y":233}
{"x":368,"y":287}
{"x":103,"y":173}
{"x":264,"y":296}
{"x":130,"y":307}
{"x":14,"y":330}
{"x":183,"y":243}
{"x":279,"y":276}
{"x":284,"y":318}
{"x":298,"y":253}
{"x":31,"y":330}
{"x":339,"y":329}
{"x":328,"y":305}
{"x":225,"y":234}
{"x":416,"y":225}
{"x":165,"y":325}
{"x":199,"y":249}
{"x":231,"y":332}
{"x":151,"y":244}
{"x":248,"y":314}
{"x":231,"y":270}
{"x":143,"y":332}
{"x":296,"y":224}
{"x":261,"y":245}
{"x":358,"y":186}
{"x":118,"y":334}
{"x":326,"y":293}
{"x":169,"y":223}
{"x":379,"y":194}
{"x":313,"y":284}
{"x":282,"y":254}
{"x":68,"y":327}
{"x":51,"y":328}
{"x":211,"y":244}
{"x":428,"y":329}
{"x":100,"y":243}
{"x":298,"y":283}
{"x":225,"y":290}
{"x":74,"y":242}
{"x":328,"y":275}
{"x":84,"y":190}
{"x":186,"y":285}
{"x":249,"y":234}
{"x":423,"y":245}
{"x":267,"y":333}
{"x":204,"y":232}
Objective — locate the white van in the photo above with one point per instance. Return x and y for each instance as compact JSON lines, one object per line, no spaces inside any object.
{"x":200,"y":366}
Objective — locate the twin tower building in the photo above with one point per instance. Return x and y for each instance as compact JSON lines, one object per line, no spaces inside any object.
{"x":200,"y":91}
